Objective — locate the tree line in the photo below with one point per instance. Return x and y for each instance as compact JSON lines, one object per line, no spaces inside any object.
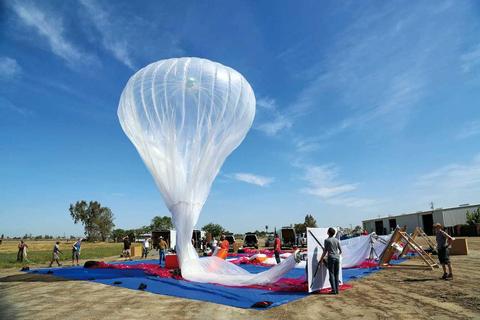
{"x":98,"y":223}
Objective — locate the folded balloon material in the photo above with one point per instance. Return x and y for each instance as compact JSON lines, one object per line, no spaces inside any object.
{"x":184,"y":117}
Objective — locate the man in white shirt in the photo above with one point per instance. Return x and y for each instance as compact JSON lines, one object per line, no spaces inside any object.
{"x":145,"y":247}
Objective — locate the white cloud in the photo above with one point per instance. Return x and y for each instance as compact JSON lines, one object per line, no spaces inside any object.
{"x":471,"y":59}
{"x":304,"y":145}
{"x":274,"y":126}
{"x":253,"y":179}
{"x":9,"y":68}
{"x":10,"y":106}
{"x":50,"y":27}
{"x":469,"y":129}
{"x":112,"y":38}
{"x":329,"y":192}
{"x":381,"y":66}
{"x":323,"y":182}
{"x":267,"y":103}
{"x":453,"y":177}
{"x":449,"y":185}
{"x":271,"y":120}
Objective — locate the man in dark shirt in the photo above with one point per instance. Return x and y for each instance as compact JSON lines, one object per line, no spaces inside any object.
{"x":126,"y":248}
{"x":443,"y":242}
{"x":333,"y":251}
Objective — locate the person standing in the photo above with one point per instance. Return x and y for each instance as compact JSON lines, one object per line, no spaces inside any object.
{"x":277,"y":247}
{"x":126,"y":248}
{"x":332,"y":250}
{"x":76,"y":251}
{"x":224,"y":244}
{"x":444,"y":240}
{"x":21,"y":248}
{"x":214,"y":244}
{"x":145,"y":247}
{"x":55,"y":254}
{"x":162,"y":248}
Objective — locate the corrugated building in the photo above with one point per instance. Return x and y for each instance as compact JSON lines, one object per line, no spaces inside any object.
{"x":449,"y":217}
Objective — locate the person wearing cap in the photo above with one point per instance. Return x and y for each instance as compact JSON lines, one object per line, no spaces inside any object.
{"x":162,"y":248}
{"x":76,"y":251}
{"x":444,"y":240}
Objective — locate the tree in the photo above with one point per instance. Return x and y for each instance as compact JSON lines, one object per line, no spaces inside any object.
{"x":310,"y":221}
{"x":161,"y":223}
{"x":473,"y":217}
{"x":214,"y":229}
{"x":299,"y":227}
{"x":97,"y":220}
{"x":118,"y":234}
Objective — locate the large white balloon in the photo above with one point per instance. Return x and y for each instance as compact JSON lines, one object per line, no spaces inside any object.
{"x":185,"y":116}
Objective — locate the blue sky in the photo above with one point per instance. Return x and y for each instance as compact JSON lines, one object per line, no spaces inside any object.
{"x":363,"y":108}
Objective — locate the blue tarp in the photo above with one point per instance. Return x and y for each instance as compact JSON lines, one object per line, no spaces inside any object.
{"x":231,"y":296}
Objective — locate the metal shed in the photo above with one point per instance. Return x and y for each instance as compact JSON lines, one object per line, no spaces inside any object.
{"x":449,"y":217}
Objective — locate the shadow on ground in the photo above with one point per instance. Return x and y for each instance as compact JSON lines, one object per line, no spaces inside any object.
{"x":420,"y":280}
{"x":31,"y":278}
{"x":7,"y":311}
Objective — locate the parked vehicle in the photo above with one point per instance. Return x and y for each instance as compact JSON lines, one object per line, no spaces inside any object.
{"x":197,"y":236}
{"x":269,"y":240}
{"x":301,"y":240}
{"x":140,"y":238}
{"x":250,"y":240}
{"x":288,"y":237}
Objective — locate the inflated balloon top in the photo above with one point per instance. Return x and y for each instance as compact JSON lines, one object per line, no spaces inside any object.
{"x":185,"y":116}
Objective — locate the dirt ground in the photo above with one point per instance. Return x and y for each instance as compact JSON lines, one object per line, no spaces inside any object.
{"x":391,"y":293}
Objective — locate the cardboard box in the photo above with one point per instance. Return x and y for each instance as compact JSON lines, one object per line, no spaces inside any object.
{"x":459,"y":247}
{"x":136,"y":251}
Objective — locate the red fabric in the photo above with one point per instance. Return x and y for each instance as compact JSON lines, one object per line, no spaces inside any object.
{"x":150,"y":269}
{"x":225,"y":245}
{"x":282,"y":285}
{"x":277,"y":245}
{"x":366,"y":264}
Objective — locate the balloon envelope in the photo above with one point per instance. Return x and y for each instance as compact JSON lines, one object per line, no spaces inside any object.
{"x":185,"y":116}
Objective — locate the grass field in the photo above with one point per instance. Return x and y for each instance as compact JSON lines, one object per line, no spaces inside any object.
{"x":40,"y":252}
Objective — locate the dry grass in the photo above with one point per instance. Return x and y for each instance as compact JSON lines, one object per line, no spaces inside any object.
{"x":40,"y":252}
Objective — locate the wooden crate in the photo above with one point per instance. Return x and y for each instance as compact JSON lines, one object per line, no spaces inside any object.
{"x":136,"y":251}
{"x":459,"y":247}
